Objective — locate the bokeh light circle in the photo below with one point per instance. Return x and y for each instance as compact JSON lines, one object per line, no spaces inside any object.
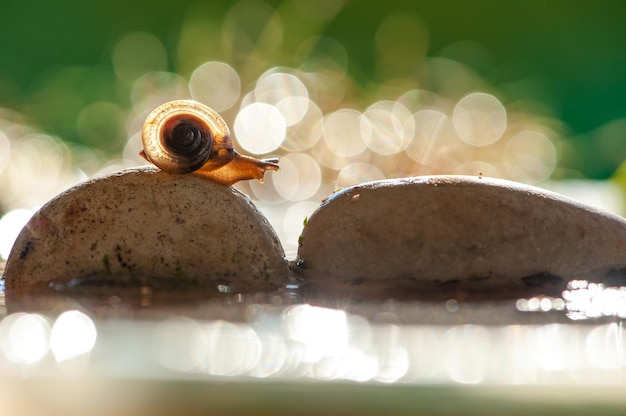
{"x":179,"y":344}
{"x":155,"y":88}
{"x":293,"y":108}
{"x":299,"y":178}
{"x":358,"y":172}
{"x":260,"y":128}
{"x":273,"y":356}
{"x":264,"y":191}
{"x":36,"y":171}
{"x":386,"y":132}
{"x":307,"y":131}
{"x":285,"y":91}
{"x":436,"y":144}
{"x":73,"y":334}
{"x":274,"y":86}
{"x":529,"y":156}
{"x":233,"y":349}
{"x":344,"y":132}
{"x":293,"y":224}
{"x":479,"y":119}
{"x":11,"y":225}
{"x":215,"y":84}
{"x":24,"y":337}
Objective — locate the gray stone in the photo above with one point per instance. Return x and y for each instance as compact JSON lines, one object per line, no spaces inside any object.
{"x":147,"y":227}
{"x":457,"y":236}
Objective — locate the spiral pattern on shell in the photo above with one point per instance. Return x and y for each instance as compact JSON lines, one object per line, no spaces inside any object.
{"x":180,"y":136}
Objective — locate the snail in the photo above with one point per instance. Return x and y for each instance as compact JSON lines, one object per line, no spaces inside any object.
{"x":185,"y":136}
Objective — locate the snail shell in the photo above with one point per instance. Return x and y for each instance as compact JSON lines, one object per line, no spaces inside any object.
{"x":185,"y":136}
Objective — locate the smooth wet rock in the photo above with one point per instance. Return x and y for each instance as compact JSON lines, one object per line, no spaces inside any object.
{"x":147,"y":227}
{"x":457,"y":236}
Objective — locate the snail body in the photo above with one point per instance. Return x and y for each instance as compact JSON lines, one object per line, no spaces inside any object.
{"x":185,"y":136}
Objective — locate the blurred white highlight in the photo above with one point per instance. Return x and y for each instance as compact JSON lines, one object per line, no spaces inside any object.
{"x":179,"y":344}
{"x":585,"y":300}
{"x":317,"y":343}
{"x":479,"y":119}
{"x":304,"y":133}
{"x":231,"y":350}
{"x":24,"y":337}
{"x":344,"y":132}
{"x":467,"y":352}
{"x":357,"y":173}
{"x":292,"y":225}
{"x":215,"y":84}
{"x":11,"y":225}
{"x":322,"y":332}
{"x":529,"y":156}
{"x":73,"y":334}
{"x":260,"y":128}
{"x":300,"y":177}
{"x":390,"y":127}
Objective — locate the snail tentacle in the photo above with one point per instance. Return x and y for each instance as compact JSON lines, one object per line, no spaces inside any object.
{"x":239,"y":168}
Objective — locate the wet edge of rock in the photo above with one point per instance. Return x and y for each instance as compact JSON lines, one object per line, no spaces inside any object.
{"x":143,"y":226}
{"x":457,"y":236}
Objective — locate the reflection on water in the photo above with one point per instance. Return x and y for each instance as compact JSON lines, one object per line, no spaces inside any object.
{"x":593,"y":300}
{"x":540,"y":340}
{"x":73,"y":335}
{"x":540,"y":304}
{"x":26,"y":338}
{"x":582,"y":300}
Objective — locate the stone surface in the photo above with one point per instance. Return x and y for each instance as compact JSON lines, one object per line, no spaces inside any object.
{"x":457,"y":236}
{"x":147,"y":227}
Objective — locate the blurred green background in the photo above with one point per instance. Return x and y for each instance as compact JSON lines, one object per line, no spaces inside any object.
{"x":566,"y":56}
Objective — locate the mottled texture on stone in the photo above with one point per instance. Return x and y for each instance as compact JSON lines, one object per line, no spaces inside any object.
{"x":145,"y":226}
{"x":454,"y":235}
